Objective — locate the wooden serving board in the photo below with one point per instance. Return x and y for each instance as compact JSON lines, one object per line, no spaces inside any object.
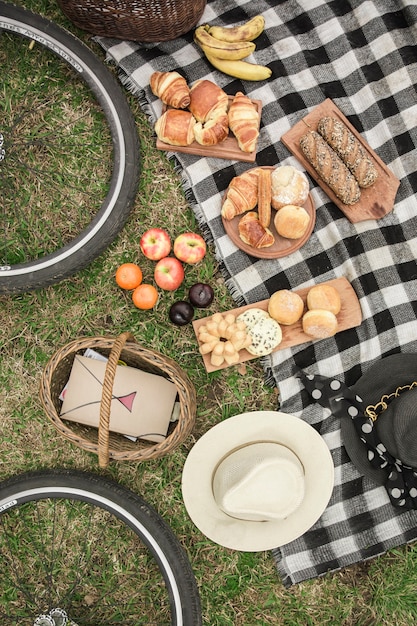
{"x":375,"y":201}
{"x":281,"y":246}
{"x":227,"y":149}
{"x":350,"y":316}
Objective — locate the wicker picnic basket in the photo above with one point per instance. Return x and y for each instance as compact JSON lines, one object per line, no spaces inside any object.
{"x":109,"y":445}
{"x":135,"y":20}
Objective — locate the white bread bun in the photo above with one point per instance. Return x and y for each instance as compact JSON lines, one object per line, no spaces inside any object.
{"x":288,"y":186}
{"x":291,"y":221}
{"x":286,"y":307}
{"x":319,"y":323}
{"x":324,"y":297}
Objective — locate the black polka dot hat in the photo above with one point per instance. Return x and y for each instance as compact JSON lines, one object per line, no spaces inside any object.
{"x":378,"y":418}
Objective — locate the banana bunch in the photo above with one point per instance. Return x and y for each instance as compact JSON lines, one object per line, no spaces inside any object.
{"x":225,"y":47}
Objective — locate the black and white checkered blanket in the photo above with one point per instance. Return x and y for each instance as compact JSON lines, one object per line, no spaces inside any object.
{"x":363,"y":55}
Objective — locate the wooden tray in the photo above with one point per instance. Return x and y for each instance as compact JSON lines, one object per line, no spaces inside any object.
{"x":350,"y":316}
{"x":375,"y":201}
{"x":282,"y":246}
{"x":227,"y":149}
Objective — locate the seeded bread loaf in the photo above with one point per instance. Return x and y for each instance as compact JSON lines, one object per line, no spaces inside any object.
{"x":330,"y":167}
{"x":349,"y":149}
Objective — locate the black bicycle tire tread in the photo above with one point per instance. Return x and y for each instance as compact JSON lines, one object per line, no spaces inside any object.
{"x":136,"y":506}
{"x":39,"y":278}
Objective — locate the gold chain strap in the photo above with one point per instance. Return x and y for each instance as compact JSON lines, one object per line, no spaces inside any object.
{"x":374,"y":410}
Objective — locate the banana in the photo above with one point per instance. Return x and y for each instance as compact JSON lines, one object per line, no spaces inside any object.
{"x":248,"y":31}
{"x":240,"y":69}
{"x":231,"y":51}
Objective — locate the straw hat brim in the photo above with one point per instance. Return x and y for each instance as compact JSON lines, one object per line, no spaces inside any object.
{"x":239,"y":431}
{"x":381,"y":378}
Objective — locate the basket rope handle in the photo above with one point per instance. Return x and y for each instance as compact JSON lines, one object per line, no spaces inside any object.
{"x":107,"y":395}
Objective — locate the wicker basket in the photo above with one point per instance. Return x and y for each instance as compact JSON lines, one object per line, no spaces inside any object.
{"x":101,"y":441}
{"x":135,"y":20}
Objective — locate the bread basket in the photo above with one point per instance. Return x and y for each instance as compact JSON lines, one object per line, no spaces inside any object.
{"x":109,"y":445}
{"x":135,"y":20}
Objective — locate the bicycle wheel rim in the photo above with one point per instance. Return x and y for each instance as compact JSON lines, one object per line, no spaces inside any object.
{"x":75,"y":250}
{"x":138,"y":521}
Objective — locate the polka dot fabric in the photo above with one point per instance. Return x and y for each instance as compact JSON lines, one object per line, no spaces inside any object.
{"x":401,"y":482}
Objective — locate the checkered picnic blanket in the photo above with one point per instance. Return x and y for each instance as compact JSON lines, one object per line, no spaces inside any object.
{"x":363,"y":55}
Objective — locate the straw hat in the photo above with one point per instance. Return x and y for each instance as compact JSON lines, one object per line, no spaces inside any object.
{"x":257,"y":480}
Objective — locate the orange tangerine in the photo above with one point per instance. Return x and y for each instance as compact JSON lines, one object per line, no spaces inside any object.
{"x":128,"y":276}
{"x":145,"y":296}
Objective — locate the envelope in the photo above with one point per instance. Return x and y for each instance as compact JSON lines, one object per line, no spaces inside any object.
{"x":141,"y":405}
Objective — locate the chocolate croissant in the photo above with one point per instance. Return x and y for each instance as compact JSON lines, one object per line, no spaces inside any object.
{"x":253,"y":233}
{"x":241,"y":195}
{"x":176,"y":127}
{"x":244,"y":122}
{"x":208,"y":101}
{"x":171,"y":88}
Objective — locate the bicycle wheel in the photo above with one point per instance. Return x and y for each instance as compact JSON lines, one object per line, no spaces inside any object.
{"x":92,"y":551}
{"x":69,"y":153}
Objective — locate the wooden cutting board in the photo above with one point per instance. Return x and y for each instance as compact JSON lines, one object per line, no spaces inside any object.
{"x":227,"y":149}
{"x":350,"y":316}
{"x":375,"y":201}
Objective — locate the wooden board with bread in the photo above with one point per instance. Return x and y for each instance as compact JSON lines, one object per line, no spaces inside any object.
{"x":268,"y":211}
{"x":349,"y":315}
{"x":343,"y":164}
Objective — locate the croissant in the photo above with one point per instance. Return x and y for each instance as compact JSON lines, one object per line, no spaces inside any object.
{"x":171,"y":88}
{"x":244,"y":122}
{"x":212,"y":132}
{"x":241,"y":195}
{"x":253,"y":233}
{"x":176,"y":127}
{"x":208,"y":100}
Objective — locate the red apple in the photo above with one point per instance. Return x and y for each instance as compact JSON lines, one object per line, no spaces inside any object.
{"x":189,"y":248}
{"x":169,"y":273}
{"x":155,"y":244}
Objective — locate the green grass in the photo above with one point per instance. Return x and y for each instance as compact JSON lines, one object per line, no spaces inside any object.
{"x":237,"y":589}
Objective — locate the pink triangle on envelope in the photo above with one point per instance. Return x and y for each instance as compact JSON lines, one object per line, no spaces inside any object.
{"x":127,"y":400}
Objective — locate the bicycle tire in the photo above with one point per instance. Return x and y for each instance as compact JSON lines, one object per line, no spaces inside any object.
{"x":30,"y":501}
{"x":90,"y":71}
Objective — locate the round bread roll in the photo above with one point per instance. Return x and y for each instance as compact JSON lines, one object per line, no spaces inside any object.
{"x":286,"y":307}
{"x":324,"y":297}
{"x":291,"y":221}
{"x":319,"y":323}
{"x":288,"y":186}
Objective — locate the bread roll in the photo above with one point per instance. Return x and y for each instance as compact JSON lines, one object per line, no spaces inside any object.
{"x":350,"y":150}
{"x":324,"y":297}
{"x":291,"y":221}
{"x":286,"y":307}
{"x":330,"y":167}
{"x":289,"y":186}
{"x":319,"y":323}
